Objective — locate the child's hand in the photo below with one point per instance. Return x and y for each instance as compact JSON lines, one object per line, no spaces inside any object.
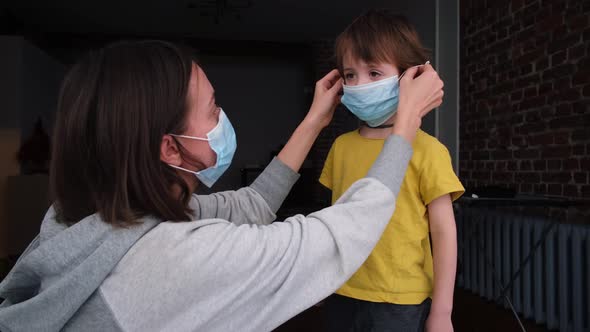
{"x":325,"y":99}
{"x":421,"y":90}
{"x":439,"y":323}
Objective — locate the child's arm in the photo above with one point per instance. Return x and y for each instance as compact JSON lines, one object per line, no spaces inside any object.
{"x":444,"y":245}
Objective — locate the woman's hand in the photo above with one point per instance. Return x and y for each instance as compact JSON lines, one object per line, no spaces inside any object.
{"x":421,"y":90}
{"x":326,"y":98}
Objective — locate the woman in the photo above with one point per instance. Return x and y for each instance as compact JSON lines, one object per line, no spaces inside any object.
{"x":126,"y":247}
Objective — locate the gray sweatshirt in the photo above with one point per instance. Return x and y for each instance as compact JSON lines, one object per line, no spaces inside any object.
{"x":231,"y":269}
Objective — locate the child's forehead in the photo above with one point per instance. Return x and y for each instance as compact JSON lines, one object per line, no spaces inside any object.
{"x":356,"y":61}
{"x":366,"y":58}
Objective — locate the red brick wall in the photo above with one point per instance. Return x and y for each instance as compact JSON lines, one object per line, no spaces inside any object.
{"x":525,"y":96}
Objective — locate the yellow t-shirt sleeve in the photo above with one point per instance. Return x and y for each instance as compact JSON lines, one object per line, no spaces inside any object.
{"x":326,"y":178}
{"x":438,"y":177}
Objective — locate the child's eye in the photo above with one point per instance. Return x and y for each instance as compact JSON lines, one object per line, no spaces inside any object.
{"x":374,"y":74}
{"x":349,"y":76}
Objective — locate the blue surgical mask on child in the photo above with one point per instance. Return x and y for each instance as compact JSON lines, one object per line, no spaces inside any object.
{"x":374,"y":102}
{"x":222,"y":140}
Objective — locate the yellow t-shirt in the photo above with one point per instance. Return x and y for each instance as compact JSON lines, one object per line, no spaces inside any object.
{"x":399,"y":270}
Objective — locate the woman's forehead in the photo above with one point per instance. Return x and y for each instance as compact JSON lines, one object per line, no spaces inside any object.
{"x":199,"y":85}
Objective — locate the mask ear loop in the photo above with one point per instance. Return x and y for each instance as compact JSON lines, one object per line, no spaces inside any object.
{"x":189,"y":137}
{"x":402,"y":75}
{"x":174,"y":137}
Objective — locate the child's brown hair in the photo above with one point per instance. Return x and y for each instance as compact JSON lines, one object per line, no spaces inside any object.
{"x":381,"y":36}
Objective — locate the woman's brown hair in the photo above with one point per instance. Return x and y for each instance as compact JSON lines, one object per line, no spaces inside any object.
{"x":114,"y":107}
{"x":379,"y":36}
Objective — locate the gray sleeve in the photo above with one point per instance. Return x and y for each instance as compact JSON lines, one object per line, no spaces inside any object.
{"x":392,"y":160}
{"x":275,"y":183}
{"x":256,"y":204}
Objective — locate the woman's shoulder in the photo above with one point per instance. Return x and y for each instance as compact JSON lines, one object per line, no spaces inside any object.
{"x":204,"y":230}
{"x":192,"y":225}
{"x":177,"y":239}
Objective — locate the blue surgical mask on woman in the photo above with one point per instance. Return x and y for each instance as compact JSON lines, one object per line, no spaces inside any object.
{"x":222,"y":140}
{"x":373,"y":102}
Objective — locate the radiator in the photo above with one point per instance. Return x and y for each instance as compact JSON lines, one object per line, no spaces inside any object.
{"x":538,"y":268}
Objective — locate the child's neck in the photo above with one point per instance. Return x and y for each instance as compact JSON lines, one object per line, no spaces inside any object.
{"x":377,"y":133}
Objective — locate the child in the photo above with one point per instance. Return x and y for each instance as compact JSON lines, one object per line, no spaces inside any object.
{"x":400,"y":287}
